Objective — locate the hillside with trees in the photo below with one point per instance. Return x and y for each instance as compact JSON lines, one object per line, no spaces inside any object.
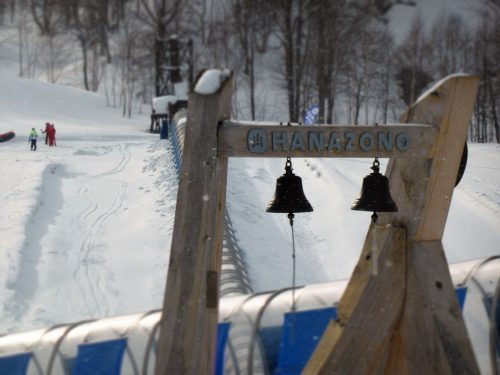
{"x":288,"y":55}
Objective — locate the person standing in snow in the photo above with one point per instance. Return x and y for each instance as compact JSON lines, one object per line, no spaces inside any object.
{"x":32,"y":139}
{"x":46,"y":132}
{"x":51,"y":131}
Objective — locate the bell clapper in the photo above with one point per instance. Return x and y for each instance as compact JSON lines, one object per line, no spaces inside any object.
{"x":375,"y":197}
{"x":288,"y":166}
{"x":289,"y":198}
{"x":375,"y":166}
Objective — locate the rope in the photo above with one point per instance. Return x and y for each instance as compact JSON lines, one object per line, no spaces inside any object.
{"x":291,"y":216}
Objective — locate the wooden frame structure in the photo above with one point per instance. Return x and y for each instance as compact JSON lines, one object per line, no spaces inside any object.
{"x":403,"y":320}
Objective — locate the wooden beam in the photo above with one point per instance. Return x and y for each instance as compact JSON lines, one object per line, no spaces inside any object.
{"x":190,"y":307}
{"x":237,"y":139}
{"x":368,"y":311}
{"x":430,"y":335}
{"x":423,"y":189}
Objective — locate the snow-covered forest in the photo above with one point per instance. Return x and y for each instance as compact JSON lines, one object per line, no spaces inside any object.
{"x":350,"y":57}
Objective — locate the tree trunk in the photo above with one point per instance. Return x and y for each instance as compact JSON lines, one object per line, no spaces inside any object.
{"x":85,"y":63}
{"x":12,"y":10}
{"x":289,"y":60}
{"x":493,"y":109}
{"x":386,"y":96}
{"x":252,"y":83}
{"x":298,"y":65}
{"x":357,"y":102}
{"x":20,"y":46}
{"x":160,"y":50}
{"x":331,"y":107}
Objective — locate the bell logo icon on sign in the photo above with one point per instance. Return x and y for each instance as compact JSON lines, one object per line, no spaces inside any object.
{"x":257,"y":141}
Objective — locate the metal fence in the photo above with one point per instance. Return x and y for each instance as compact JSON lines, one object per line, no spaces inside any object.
{"x":234,"y":278}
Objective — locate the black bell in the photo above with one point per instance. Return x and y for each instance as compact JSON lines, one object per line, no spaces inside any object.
{"x":375,"y":195}
{"x":289,"y":196}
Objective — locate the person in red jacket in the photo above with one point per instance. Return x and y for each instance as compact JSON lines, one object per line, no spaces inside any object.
{"x":47,"y":126}
{"x":51,"y":131}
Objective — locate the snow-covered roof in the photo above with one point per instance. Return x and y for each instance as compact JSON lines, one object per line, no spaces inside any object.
{"x":160,"y":103}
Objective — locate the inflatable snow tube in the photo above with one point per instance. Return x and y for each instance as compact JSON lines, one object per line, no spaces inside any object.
{"x":7,"y":136}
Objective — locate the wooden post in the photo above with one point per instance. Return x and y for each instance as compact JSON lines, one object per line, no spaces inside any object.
{"x":410,"y":324}
{"x":190,"y":308}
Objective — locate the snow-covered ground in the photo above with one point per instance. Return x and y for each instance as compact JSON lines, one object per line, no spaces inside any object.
{"x":86,"y":225}
{"x":329,"y":239}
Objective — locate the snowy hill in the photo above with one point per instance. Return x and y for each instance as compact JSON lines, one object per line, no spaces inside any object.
{"x":83,"y":222}
{"x":86,"y":225}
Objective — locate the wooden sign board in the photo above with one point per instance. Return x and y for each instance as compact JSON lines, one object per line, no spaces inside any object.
{"x":240,"y":139}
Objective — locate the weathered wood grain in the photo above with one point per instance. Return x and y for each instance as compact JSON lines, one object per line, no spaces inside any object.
{"x":233,"y":142}
{"x":190,"y":307}
{"x":430,"y":336}
{"x":403,"y":319}
{"x":434,"y":338}
{"x":423,"y":188}
{"x":368,"y":312}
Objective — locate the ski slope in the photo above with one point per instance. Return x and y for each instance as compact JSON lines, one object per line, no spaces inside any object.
{"x":329,"y":240}
{"x":86,"y":226}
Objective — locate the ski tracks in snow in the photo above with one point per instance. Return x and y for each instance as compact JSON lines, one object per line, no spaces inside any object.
{"x":62,"y":267}
{"x":93,"y":278}
{"x":23,"y":277}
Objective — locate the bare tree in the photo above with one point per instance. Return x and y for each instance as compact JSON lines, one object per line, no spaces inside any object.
{"x":84,"y":21}
{"x":159,"y":15}
{"x":3,"y":10}
{"x":47,"y":16}
{"x":451,"y":45}
{"x":330,"y":29}
{"x":28,"y":46}
{"x":486,"y":127}
{"x":414,"y":60}
{"x":386,"y":71}
{"x":488,"y":55}
{"x":253,"y":22}
{"x":200,"y":12}
{"x":367,"y":52}
{"x":130,"y":57}
{"x":291,"y":16}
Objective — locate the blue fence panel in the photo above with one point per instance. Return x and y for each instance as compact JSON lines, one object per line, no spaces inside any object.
{"x":461,"y":294}
{"x":15,"y":364}
{"x":164,"y":129}
{"x":302,"y":331}
{"x":222,"y":335}
{"x":100,"y":358}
